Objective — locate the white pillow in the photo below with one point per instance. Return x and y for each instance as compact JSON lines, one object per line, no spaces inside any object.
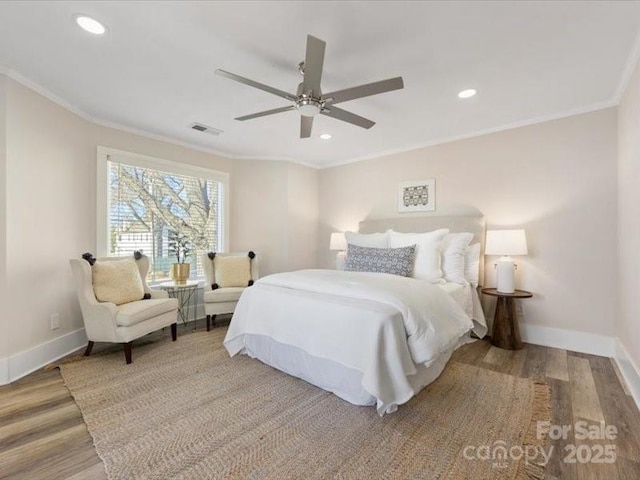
{"x":232,"y":270}
{"x":117,"y":281}
{"x":372,"y":240}
{"x":453,"y":248}
{"x":427,"y":266}
{"x":472,"y":264}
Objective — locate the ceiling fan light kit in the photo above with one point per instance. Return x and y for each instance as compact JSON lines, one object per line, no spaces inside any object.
{"x":309,"y":100}
{"x":309,"y":107}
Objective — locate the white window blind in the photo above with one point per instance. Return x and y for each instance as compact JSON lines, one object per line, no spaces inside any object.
{"x":147,"y":207}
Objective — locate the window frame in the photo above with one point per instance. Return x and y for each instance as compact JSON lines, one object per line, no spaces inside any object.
{"x":106,"y":154}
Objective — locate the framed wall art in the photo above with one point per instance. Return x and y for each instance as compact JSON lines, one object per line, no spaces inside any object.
{"x":418,"y":196}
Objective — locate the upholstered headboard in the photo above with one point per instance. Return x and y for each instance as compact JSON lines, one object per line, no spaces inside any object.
{"x":455,"y":223}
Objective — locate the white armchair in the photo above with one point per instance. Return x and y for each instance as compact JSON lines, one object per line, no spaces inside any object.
{"x":223,"y":299}
{"x":108,"y":322}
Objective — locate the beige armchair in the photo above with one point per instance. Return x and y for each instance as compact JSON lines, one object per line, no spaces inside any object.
{"x":108,"y":322}
{"x":221,"y":299}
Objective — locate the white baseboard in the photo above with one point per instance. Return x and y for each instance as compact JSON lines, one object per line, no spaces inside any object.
{"x":587,"y":343}
{"x":629,"y":370}
{"x":27,"y":361}
{"x":569,"y":340}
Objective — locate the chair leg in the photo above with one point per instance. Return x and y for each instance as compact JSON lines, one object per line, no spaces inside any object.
{"x":127,"y":352}
{"x":174,"y":331}
{"x":87,"y":352}
{"x":211,"y":321}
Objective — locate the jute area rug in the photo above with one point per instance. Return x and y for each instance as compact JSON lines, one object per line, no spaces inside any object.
{"x":186,"y":410}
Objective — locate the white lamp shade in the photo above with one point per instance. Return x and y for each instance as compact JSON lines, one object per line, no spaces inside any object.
{"x":506,"y":242}
{"x":338,"y":241}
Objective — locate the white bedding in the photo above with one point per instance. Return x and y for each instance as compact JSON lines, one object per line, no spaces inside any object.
{"x":467,"y":297}
{"x":329,"y":375}
{"x":380,"y":325}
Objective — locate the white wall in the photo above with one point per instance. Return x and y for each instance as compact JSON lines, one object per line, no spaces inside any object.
{"x":555,"y":179}
{"x":51,"y":203}
{"x":628,"y":325}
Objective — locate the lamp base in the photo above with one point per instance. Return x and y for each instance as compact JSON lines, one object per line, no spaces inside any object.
{"x":506,"y":275}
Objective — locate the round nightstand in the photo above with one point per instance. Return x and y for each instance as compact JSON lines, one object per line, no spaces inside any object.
{"x":506,"y":333}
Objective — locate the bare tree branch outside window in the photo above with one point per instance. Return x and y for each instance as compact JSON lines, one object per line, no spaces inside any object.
{"x":146,"y":205}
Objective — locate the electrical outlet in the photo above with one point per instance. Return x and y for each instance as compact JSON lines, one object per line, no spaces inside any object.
{"x":519,"y":311}
{"x":55,"y":321}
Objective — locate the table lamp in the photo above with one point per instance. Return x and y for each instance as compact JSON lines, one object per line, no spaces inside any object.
{"x":506,"y":243}
{"x":339,"y":242}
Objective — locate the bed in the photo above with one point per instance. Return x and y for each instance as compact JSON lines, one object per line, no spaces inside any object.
{"x":370,"y":338}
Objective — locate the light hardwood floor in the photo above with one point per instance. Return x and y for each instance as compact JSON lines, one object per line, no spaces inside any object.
{"x":43,"y":436}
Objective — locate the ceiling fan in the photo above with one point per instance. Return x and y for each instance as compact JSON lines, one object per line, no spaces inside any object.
{"x":309,"y":100}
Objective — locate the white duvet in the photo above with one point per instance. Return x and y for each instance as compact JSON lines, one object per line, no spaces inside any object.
{"x":381,"y":325}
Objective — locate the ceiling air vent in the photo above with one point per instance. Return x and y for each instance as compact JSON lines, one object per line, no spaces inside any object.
{"x":200,"y":127}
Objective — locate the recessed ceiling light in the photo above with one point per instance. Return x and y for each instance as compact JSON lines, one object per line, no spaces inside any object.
{"x":90,"y":25}
{"x":470,"y":92}
{"x":325,"y":136}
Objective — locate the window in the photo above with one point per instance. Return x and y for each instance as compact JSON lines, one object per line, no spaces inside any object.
{"x":144,"y":203}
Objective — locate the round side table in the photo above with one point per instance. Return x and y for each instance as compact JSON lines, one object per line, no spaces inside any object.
{"x":186,"y":295}
{"x":506,"y":333}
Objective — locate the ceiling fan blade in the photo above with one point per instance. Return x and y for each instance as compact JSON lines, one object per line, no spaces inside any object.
{"x":364,"y":90}
{"x":266,"y":112}
{"x":313,"y":62}
{"x":260,"y":86}
{"x":305,"y":126}
{"x":339,"y":114}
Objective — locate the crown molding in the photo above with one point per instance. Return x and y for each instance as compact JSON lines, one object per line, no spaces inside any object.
{"x":192,"y":146}
{"x":39,"y":89}
{"x":627,"y":72}
{"x":509,"y":126}
{"x":27,"y":82}
{"x":159,"y":137}
{"x":633,"y":58}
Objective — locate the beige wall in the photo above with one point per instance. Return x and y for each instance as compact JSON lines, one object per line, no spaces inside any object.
{"x":628,"y":326}
{"x":50,"y":213}
{"x":555,"y":179}
{"x":275,"y":213}
{"x":51,"y":204}
{"x":303,"y":218}
{"x":4,"y":319}
{"x":259,"y":205}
